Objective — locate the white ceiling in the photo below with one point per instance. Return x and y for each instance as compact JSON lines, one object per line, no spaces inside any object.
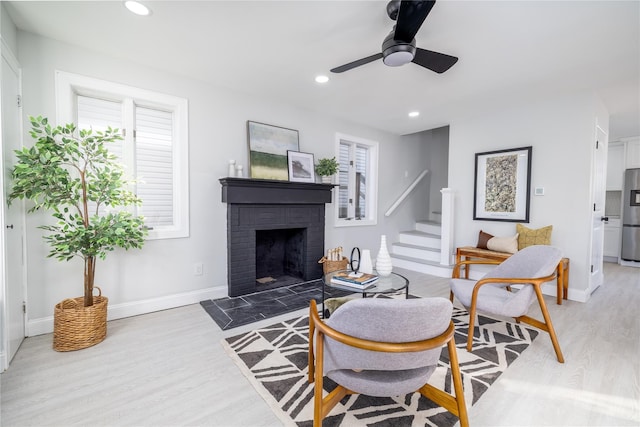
{"x":511,"y":52}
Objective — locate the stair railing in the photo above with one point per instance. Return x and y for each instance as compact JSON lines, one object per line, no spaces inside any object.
{"x":406,"y":192}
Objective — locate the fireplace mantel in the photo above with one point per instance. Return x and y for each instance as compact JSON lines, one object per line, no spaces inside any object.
{"x":261,"y":191}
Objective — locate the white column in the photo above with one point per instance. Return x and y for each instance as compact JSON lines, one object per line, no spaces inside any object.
{"x":446,"y":247}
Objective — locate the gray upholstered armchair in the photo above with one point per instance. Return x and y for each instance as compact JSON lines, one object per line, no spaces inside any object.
{"x":531,"y":267}
{"x":383,"y":347}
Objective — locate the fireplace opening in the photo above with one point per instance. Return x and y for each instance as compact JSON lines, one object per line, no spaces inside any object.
{"x":280,"y":257}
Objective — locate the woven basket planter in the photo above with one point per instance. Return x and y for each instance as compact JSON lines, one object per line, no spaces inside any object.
{"x":329,"y":266}
{"x":76,"y":327}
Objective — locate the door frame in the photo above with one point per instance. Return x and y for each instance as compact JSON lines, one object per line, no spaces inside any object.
{"x":600,"y":148}
{"x":7,"y":54}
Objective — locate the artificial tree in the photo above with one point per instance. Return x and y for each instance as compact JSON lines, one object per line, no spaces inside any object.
{"x":72,"y":174}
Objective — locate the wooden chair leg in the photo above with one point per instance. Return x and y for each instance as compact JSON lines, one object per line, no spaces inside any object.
{"x":310,"y":358}
{"x":472,"y":314}
{"x":318,"y":386}
{"x":565,"y":281}
{"x":559,"y":280}
{"x":549,"y":324}
{"x":457,"y":383}
{"x":472,"y":317}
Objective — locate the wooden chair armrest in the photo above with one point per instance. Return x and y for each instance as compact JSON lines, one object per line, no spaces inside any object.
{"x":536,"y":281}
{"x":456,"y":269}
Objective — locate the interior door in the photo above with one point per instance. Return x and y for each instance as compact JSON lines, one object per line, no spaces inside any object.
{"x":14,"y":285}
{"x":598,"y":217}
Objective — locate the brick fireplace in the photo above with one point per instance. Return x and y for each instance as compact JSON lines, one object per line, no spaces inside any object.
{"x":275,"y":229}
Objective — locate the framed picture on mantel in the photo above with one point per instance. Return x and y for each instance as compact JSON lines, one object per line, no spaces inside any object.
{"x":268,"y":147}
{"x":502,"y":185}
{"x":301,"y":167}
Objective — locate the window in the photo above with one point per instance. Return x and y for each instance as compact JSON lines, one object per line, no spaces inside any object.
{"x":358,"y":181}
{"x":154,"y":149}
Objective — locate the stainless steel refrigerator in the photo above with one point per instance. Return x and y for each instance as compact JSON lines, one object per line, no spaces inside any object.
{"x":631,"y":216}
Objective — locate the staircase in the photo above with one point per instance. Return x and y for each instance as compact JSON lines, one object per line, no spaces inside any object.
{"x":419,"y":250}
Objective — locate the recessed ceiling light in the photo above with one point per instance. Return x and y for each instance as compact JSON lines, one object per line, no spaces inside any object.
{"x":414,"y":114}
{"x":137,"y":8}
{"x":322,"y":79}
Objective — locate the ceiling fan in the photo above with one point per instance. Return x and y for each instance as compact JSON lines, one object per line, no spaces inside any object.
{"x":399,"y":47}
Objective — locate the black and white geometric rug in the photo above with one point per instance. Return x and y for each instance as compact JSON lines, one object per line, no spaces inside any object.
{"x":274,"y":360}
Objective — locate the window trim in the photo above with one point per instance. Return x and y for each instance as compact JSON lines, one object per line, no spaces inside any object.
{"x":372,"y":182}
{"x":68,"y":85}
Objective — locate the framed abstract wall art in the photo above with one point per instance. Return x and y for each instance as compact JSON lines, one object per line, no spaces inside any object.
{"x":268,"y":146}
{"x":502,"y":185}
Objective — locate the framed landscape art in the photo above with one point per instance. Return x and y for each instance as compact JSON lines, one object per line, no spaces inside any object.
{"x":301,"y":167}
{"x":268,"y":146}
{"x":502,"y":185}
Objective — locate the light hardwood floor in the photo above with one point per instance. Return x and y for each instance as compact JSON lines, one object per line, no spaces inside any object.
{"x":169,"y":369}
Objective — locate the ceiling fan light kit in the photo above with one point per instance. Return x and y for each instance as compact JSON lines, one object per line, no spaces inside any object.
{"x":396,"y":53}
{"x":399,"y":47}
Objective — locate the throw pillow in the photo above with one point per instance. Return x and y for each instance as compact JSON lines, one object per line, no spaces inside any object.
{"x":503,"y":244}
{"x":483,"y":238}
{"x":530,"y":236}
{"x":332,"y":304}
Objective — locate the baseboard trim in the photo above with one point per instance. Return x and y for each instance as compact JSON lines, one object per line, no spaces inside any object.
{"x":44,"y":325}
{"x":629,"y":263}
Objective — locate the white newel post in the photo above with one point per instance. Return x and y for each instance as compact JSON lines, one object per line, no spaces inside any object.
{"x":446,"y":248}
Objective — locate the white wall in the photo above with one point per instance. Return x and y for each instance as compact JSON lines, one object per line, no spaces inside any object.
{"x":433,"y":148}
{"x":8,"y":30}
{"x":562,"y":133}
{"x":438,"y":160}
{"x":161,"y":274}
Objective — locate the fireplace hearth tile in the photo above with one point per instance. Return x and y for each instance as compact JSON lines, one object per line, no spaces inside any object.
{"x":301,"y":299}
{"x":268,"y":295}
{"x":229,"y":303}
{"x":231,"y":312}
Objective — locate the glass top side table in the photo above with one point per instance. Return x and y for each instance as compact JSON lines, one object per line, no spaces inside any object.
{"x":392,"y":283}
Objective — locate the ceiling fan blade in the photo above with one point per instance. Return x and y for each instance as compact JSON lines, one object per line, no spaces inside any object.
{"x":354,"y":64}
{"x":410,"y":18}
{"x":434,"y":61}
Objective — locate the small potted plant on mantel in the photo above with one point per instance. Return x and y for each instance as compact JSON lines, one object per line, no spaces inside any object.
{"x":73,"y":175}
{"x":326,"y":168}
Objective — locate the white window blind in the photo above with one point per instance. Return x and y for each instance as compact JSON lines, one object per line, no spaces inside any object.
{"x":152,"y":162}
{"x":362,"y":166}
{"x":99,"y":114}
{"x":343,"y":181}
{"x":154,"y":165}
{"x":356,"y":204}
{"x":154,"y":150}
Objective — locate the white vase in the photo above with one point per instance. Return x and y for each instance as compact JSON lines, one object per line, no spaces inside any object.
{"x":366,"y":266}
{"x":383,"y":261}
{"x":326,"y":179}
